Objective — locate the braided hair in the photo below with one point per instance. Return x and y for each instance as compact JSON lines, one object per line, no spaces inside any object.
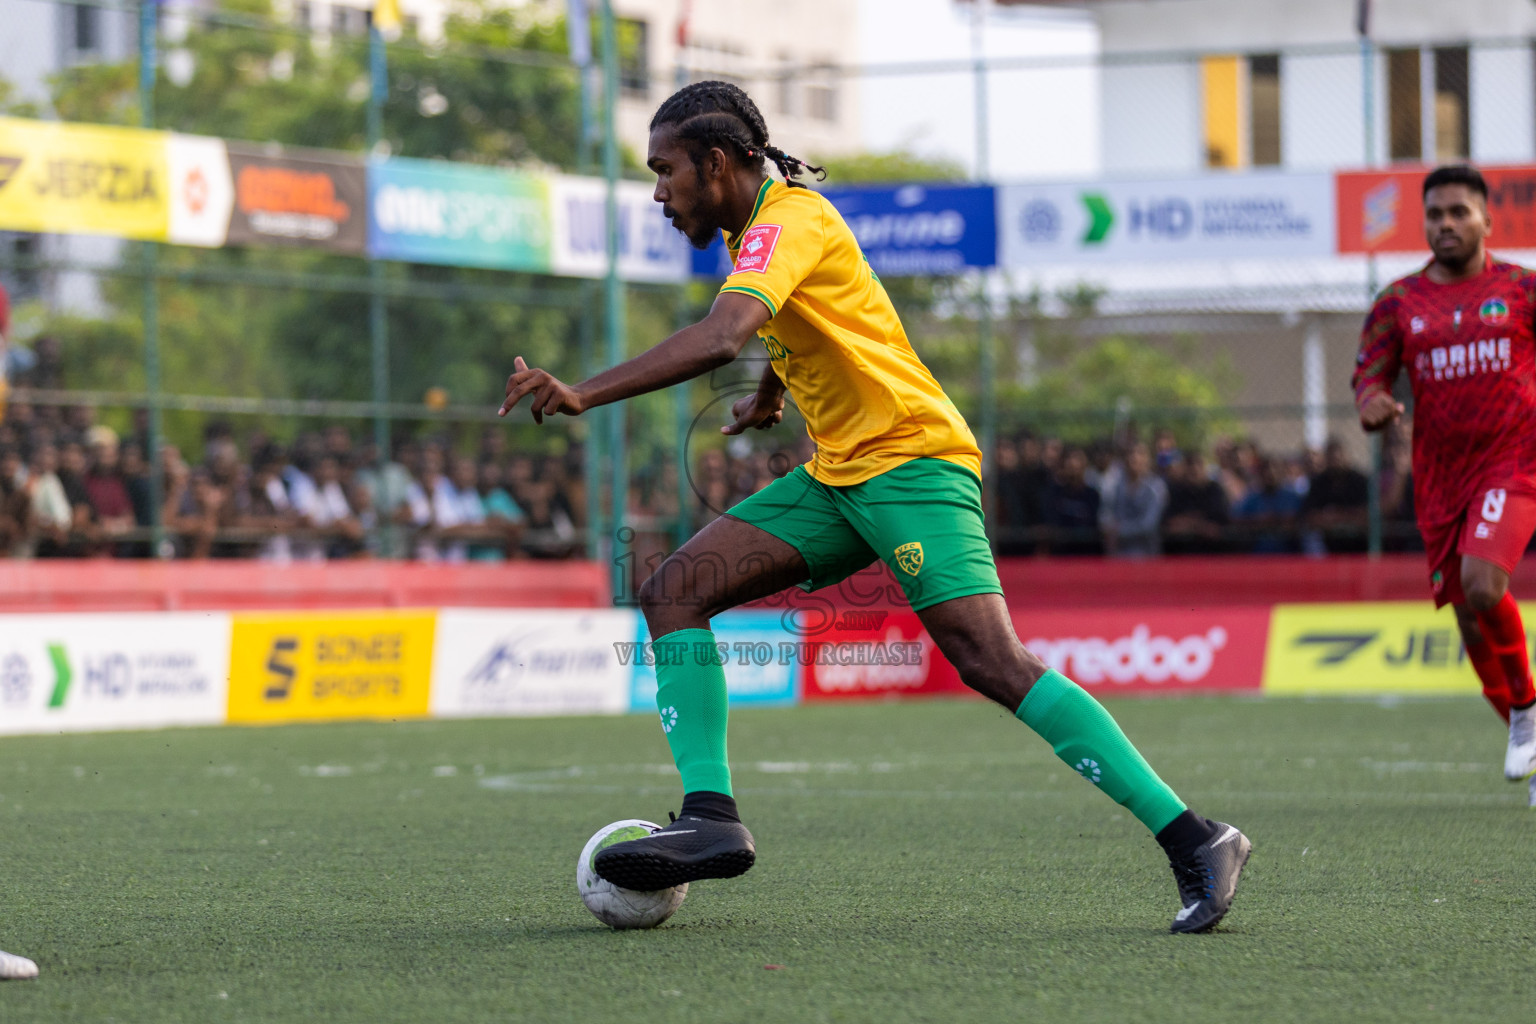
{"x":714,"y":114}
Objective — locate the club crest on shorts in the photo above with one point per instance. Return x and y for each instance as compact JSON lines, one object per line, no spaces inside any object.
{"x":910,"y":558}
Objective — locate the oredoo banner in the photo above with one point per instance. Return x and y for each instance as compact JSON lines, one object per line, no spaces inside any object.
{"x":428,"y":211}
{"x":1151,"y":649}
{"x":64,"y":673}
{"x":1217,"y":217}
{"x":80,"y":179}
{"x":297,"y":198}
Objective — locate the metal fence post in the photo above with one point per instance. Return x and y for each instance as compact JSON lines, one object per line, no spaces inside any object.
{"x":378,"y":313}
{"x":987,"y":354}
{"x":150,"y":259}
{"x":613,"y":294}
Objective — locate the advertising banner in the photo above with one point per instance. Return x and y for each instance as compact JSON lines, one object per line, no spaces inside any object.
{"x":1370,"y":647}
{"x":1151,"y":650}
{"x":430,"y":211}
{"x":201,"y":193}
{"x":1214,"y":217}
{"x":65,"y":673}
{"x":289,"y":197}
{"x":293,"y":666}
{"x":650,"y":248}
{"x":875,"y":653}
{"x":79,"y":179}
{"x":759,"y":652}
{"x":1383,"y":211}
{"x":495,"y":662}
{"x":914,"y":230}
{"x":906,"y":231}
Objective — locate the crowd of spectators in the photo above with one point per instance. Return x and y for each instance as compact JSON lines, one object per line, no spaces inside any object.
{"x":1144,"y":499}
{"x":72,"y":487}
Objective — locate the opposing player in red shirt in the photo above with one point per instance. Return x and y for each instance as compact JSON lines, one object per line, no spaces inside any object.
{"x":1463,"y":328}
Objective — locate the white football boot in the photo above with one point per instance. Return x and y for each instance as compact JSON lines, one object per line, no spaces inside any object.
{"x":16,"y":968}
{"x":1520,"y":758}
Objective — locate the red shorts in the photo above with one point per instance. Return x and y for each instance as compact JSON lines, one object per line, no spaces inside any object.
{"x":1496,"y":528}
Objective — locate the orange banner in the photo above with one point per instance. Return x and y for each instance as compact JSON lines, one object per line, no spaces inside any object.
{"x":1382,"y":211}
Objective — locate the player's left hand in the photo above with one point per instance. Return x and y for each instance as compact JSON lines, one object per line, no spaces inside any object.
{"x":550,"y":396}
{"x":759,"y":410}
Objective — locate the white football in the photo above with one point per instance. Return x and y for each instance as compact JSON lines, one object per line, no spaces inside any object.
{"x":623,"y":908}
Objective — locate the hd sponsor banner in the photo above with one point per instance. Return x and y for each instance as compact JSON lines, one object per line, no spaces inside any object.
{"x":63,"y":673}
{"x":429,"y":211}
{"x":512,"y":662}
{"x":1214,"y":217}
{"x":293,"y":197}
{"x":1150,"y":650}
{"x":1383,"y":211}
{"x":872,"y":652}
{"x":650,"y":248}
{"x":759,"y":651}
{"x":292,"y":666}
{"x":906,"y":231}
{"x":83,"y":179}
{"x":1404,"y":647}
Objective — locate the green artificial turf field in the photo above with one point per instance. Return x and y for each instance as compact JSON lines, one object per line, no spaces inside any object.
{"x":920,"y":861}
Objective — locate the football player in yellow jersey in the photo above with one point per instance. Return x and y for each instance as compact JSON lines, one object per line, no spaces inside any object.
{"x":896,"y":476}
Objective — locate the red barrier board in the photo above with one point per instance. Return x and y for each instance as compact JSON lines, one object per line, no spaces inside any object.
{"x":1147,"y":650}
{"x":1381,"y":211}
{"x":875,"y":653}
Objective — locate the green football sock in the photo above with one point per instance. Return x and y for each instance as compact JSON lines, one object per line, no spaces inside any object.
{"x":1085,"y":736}
{"x":690,"y":694}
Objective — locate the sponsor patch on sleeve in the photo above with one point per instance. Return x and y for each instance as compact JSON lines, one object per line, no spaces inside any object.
{"x":757,"y":248}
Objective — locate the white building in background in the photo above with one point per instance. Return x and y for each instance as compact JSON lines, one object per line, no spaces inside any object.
{"x":1195,"y":84}
{"x":1042,"y":101}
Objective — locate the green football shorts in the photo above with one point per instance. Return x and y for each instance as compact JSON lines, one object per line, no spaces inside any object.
{"x":923,"y":519}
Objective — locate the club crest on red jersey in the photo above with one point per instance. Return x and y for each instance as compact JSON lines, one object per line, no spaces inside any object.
{"x":1493,"y":312}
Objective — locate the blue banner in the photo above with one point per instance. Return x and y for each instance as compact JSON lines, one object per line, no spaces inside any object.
{"x":759,"y":657}
{"x":906,"y":230}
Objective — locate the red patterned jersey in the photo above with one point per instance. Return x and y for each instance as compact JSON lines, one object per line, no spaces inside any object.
{"x":1470,"y":353}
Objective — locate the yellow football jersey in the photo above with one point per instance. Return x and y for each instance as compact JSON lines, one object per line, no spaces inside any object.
{"x":837,"y":344}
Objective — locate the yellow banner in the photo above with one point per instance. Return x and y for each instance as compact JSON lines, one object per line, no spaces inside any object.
{"x":83,"y":179}
{"x":1382,"y":647}
{"x":328,"y":665}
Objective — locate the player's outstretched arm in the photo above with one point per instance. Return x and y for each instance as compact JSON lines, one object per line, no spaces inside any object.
{"x":693,"y":351}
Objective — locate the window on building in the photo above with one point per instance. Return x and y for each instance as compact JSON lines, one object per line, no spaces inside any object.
{"x":821,"y":94}
{"x":1220,"y":79}
{"x":634,"y":56}
{"x":349,"y":21}
{"x":786,"y":85}
{"x":303,"y":15}
{"x":1264,"y":108}
{"x":1403,"y":112}
{"x":1451,"y":95}
{"x":87,"y":28}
